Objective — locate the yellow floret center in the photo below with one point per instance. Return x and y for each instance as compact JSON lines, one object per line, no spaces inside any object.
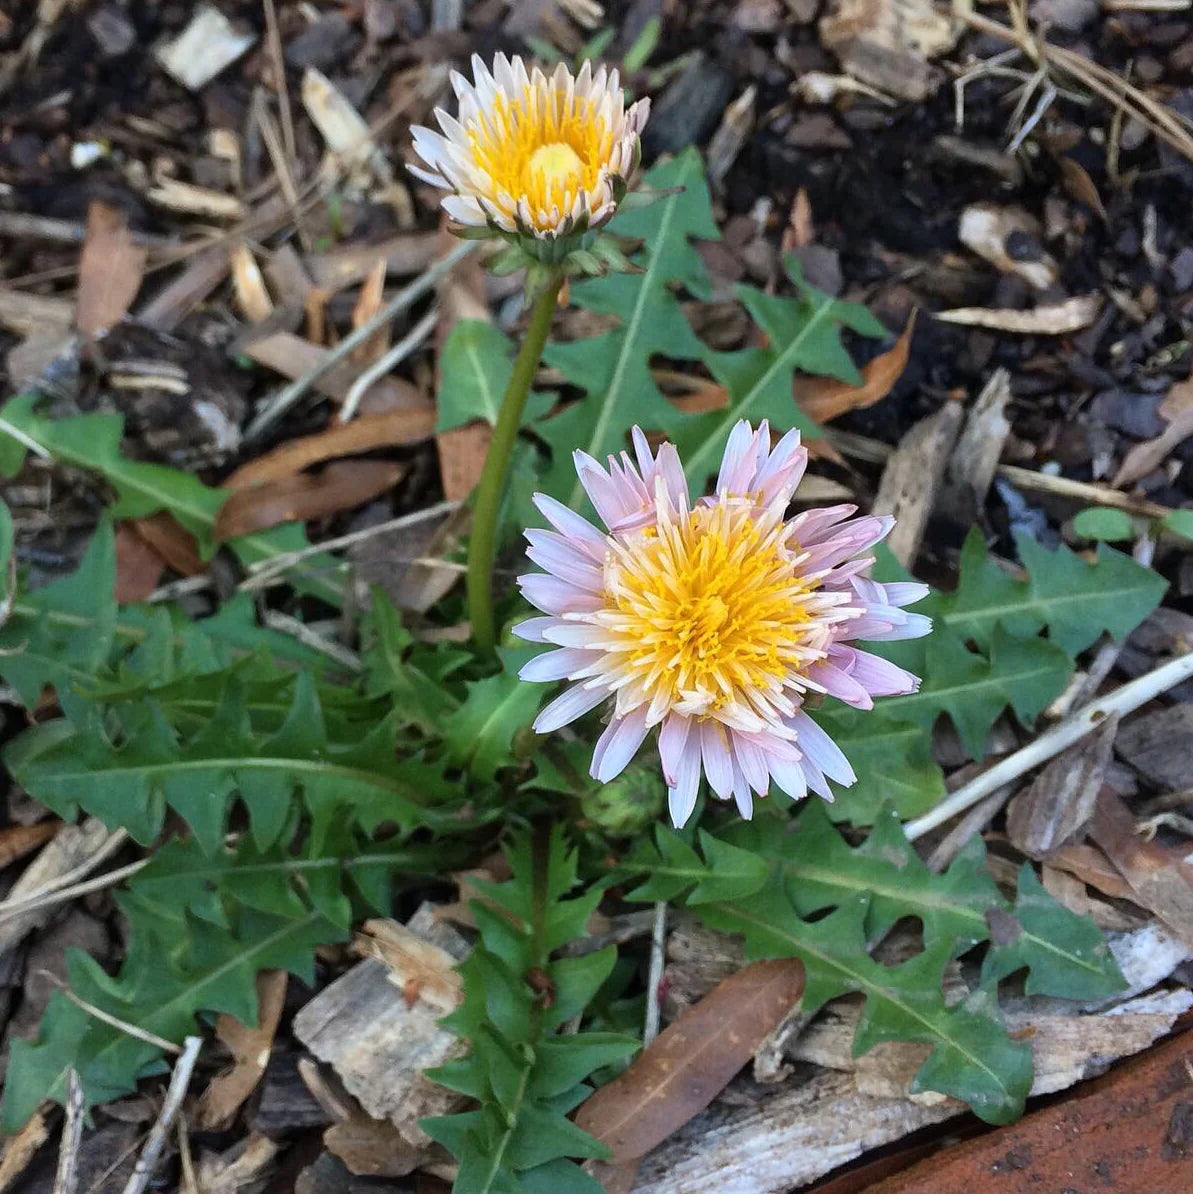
{"x":543,"y":147}
{"x":708,"y":610}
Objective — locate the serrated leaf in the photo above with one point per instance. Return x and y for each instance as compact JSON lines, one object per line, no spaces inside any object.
{"x":92,"y":442}
{"x":804,"y":333}
{"x":481,"y":731}
{"x":162,"y":986}
{"x":1075,"y":600}
{"x":1179,"y":522}
{"x":614,"y":368}
{"x":1104,"y":522}
{"x":972,"y":1058}
{"x":893,"y":762}
{"x":1025,"y":673}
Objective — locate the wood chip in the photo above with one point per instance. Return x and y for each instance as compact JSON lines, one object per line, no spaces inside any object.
{"x":417,"y":967}
{"x":373,"y":1147}
{"x":684,"y":1068}
{"x":1050,"y":319}
{"x":979,"y":448}
{"x":378,"y":1042}
{"x":1057,"y":806}
{"x":252,"y":295}
{"x":28,"y":314}
{"x":111,"y":269}
{"x":21,"y":1148}
{"x":912,"y":477}
{"x":194,"y":200}
{"x":365,"y":434}
{"x":337,"y":269}
{"x":292,"y":357}
{"x":342,"y":485}
{"x":368,"y":303}
{"x":250,"y":1048}
{"x":344,"y":129}
{"x":1159,"y":745}
{"x":825,"y":398}
{"x":205,"y":47}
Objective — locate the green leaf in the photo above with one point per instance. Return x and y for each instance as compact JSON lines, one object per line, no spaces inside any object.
{"x":524,"y":1076}
{"x":804,"y":333}
{"x":1179,"y":522}
{"x":165,"y":982}
{"x":475,"y":364}
{"x":92,"y":442}
{"x":481,"y":731}
{"x":972,"y":1058}
{"x":614,"y":368}
{"x":6,"y":543}
{"x":129,"y":783}
{"x":1025,"y":673}
{"x":1104,"y":522}
{"x":1076,"y":601}
{"x":892,"y":760}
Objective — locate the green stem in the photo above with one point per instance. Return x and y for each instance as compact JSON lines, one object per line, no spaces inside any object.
{"x":482,"y":546}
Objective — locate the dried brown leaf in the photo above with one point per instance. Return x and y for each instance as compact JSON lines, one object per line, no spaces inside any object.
{"x":1081,"y":187}
{"x":692,"y":1061}
{"x":1093,"y":868}
{"x":1049,"y":319}
{"x":111,"y":270}
{"x":420,"y":969}
{"x":364,"y":434}
{"x":800,"y":230}
{"x":1177,"y":408}
{"x":138,"y":566}
{"x":342,"y":485}
{"x":172,"y":541}
{"x":1157,"y":882}
{"x":825,"y":398}
{"x":373,"y":1147}
{"x":18,"y":840}
{"x":250,"y":1049}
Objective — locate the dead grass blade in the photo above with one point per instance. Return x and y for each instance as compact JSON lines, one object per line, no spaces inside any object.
{"x":825,"y":398}
{"x":342,"y":485}
{"x":111,"y":270}
{"x":692,"y":1061}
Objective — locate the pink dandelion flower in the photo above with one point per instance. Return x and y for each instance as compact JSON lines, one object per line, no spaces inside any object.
{"x":713,"y":621}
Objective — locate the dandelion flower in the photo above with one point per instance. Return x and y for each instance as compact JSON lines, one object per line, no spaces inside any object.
{"x":536,"y":157}
{"x":713,"y":621}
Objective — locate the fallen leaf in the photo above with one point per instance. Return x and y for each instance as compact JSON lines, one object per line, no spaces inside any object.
{"x":366,"y":433}
{"x":111,"y":269}
{"x":138,"y":566}
{"x":342,"y":485}
{"x":1056,"y":807}
{"x":986,"y":229}
{"x":1142,"y":458}
{"x":20,"y":1149}
{"x":1092,"y":867}
{"x":368,"y":303}
{"x":1049,"y":319}
{"x":692,"y":1061}
{"x":172,"y":541}
{"x":416,"y":966}
{"x":18,"y":840}
{"x":1156,"y":882}
{"x":250,"y":1049}
{"x":825,"y":398}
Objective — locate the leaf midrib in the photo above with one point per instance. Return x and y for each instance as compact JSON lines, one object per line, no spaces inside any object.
{"x":871,"y":989}
{"x":741,"y":409}
{"x":609,"y":400}
{"x":1032,"y":605}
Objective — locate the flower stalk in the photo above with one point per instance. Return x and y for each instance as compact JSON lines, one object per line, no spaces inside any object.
{"x":482,"y":545}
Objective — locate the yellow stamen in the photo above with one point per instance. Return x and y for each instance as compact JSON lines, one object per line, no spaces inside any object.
{"x":709,"y":610}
